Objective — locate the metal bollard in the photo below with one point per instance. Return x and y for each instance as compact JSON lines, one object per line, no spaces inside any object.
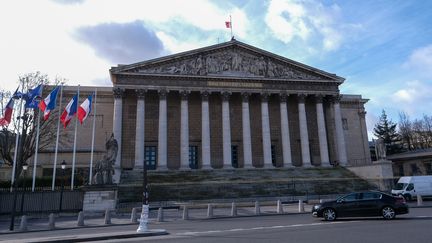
{"x":279,"y":207}
{"x":257,"y":208}
{"x":134,"y":216}
{"x":209,"y":210}
{"x":233,"y":209}
{"x":419,"y":200}
{"x":51,"y":222}
{"x":80,"y":219}
{"x":160,"y":215}
{"x":23,"y":225}
{"x":301,"y":206}
{"x":107,"y":216}
{"x":185,"y":213}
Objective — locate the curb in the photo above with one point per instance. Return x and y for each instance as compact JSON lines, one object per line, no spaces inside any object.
{"x":110,"y":236}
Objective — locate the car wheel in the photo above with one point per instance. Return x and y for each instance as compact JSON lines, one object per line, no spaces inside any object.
{"x":329,"y":214}
{"x":388,"y":212}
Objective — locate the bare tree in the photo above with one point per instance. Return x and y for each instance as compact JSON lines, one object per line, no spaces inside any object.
{"x":405,"y":130}
{"x":26,"y":127}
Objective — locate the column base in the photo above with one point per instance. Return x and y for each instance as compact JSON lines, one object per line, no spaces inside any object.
{"x":268,"y":166}
{"x":326,"y":164}
{"x":162,"y":168}
{"x":206,"y":167}
{"x":185,"y":168}
{"x":307,"y":165}
{"x":248,"y":167}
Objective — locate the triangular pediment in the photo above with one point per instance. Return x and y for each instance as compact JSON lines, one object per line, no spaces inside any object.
{"x":229,"y":59}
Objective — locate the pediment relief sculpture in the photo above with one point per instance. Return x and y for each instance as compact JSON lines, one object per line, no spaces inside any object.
{"x":231,"y":62}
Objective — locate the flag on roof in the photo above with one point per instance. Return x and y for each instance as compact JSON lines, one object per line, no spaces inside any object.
{"x":85,"y":108}
{"x":228,"y":24}
{"x":48,"y":104}
{"x":69,"y":111}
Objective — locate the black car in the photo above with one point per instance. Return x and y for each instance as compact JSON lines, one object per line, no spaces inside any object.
{"x":361,"y":204}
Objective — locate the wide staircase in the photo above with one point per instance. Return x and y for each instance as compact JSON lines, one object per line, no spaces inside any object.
{"x":185,"y":186}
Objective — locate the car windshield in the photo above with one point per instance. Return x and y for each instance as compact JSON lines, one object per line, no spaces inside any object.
{"x":400,"y":186}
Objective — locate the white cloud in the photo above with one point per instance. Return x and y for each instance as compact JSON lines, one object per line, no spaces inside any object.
{"x":414,"y":97}
{"x":308,"y":20}
{"x":420,"y":61}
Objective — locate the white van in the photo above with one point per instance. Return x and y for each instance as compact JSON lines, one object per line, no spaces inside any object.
{"x":411,"y":186}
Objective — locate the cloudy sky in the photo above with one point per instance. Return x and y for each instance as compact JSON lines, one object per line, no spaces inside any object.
{"x":382,"y":47}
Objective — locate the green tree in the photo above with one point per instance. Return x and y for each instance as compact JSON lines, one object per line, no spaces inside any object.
{"x":386,"y":129}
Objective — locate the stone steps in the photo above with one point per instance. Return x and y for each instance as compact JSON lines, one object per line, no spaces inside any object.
{"x":237,"y":183}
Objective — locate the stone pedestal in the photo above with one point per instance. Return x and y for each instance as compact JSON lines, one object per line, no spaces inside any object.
{"x":100,"y":198}
{"x":379,"y":173}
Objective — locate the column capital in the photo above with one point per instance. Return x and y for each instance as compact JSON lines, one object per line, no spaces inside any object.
{"x":301,"y":97}
{"x":225,"y":95}
{"x":336,"y":98}
{"x":205,"y":95}
{"x":118,"y":93}
{"x":319,"y":98}
{"x":283,"y":97}
{"x":162,"y":93}
{"x":184,"y":94}
{"x":140,"y":93}
{"x":245,"y":96}
{"x":264,"y":97}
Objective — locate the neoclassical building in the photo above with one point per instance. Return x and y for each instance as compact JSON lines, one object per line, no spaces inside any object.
{"x":232,"y":105}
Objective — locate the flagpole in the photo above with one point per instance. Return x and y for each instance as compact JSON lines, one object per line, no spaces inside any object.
{"x":231,"y":24}
{"x":93,"y":138}
{"x":57,"y":140}
{"x":16,"y":142}
{"x":36,"y":151}
{"x":74,"y":146}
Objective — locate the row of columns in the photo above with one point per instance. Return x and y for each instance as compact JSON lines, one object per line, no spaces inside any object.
{"x":226,"y":130}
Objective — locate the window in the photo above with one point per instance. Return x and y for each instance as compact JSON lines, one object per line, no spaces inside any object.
{"x":410,"y":187}
{"x":345,"y":123}
{"x":273,"y":155}
{"x":414,"y":169}
{"x":193,"y":157}
{"x":371,"y":196}
{"x":150,"y":157}
{"x":234,"y":156}
{"x":351,"y":197}
{"x":401,"y":169}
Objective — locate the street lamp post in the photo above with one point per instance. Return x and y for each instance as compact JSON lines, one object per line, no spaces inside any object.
{"x":24,"y":167}
{"x":142,"y":228}
{"x":63,"y":167}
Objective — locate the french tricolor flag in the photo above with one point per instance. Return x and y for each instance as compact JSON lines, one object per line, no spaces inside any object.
{"x":85,"y":109}
{"x":49,"y":103}
{"x":69,"y":111}
{"x":6,"y":119}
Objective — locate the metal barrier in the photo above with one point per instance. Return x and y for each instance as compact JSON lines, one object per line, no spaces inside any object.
{"x":42,"y":202}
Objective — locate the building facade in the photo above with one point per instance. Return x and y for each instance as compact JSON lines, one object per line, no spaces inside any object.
{"x":232,"y":105}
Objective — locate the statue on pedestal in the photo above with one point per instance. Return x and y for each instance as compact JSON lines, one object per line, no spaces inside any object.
{"x":380,"y":149}
{"x":104,"y":168}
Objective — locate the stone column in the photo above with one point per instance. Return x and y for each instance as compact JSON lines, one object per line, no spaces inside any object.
{"x":162,"y":132}
{"x":184,"y":131}
{"x":362,"y":115}
{"x":117,"y":130}
{"x":322,"y":133}
{"x":266,"y":137}
{"x":286,"y":143}
{"x":340,"y":139}
{"x":140,"y":125}
{"x":205,"y":130}
{"x":247,"y":145}
{"x":226,"y":131}
{"x":304,"y":136}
